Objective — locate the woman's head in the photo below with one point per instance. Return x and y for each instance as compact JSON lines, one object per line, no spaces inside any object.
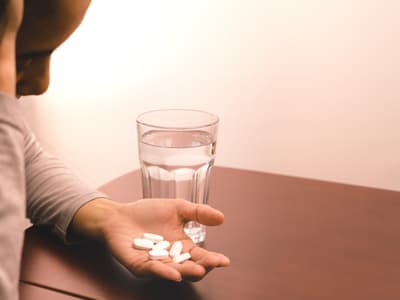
{"x":45,"y":26}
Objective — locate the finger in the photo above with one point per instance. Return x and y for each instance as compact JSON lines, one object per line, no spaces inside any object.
{"x":209,"y":259}
{"x":201,"y":213}
{"x":140,"y":265}
{"x":224,"y":261}
{"x":153,"y":268}
{"x":190,"y":270}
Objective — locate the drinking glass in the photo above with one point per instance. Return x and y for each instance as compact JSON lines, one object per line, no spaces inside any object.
{"x":176,"y":153}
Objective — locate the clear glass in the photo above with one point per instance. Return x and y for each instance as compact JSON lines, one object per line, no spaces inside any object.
{"x":176,"y":153}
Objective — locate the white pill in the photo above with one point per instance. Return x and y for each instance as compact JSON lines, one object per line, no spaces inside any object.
{"x":158,"y":254}
{"x":153,"y":237}
{"x":142,"y":244}
{"x":181,"y":258}
{"x":161,"y":245}
{"x":176,"y":249}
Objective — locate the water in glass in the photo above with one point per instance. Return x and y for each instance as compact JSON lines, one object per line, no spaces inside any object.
{"x":177,"y":164}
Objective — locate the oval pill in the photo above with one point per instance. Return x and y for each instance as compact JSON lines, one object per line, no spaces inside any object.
{"x":181,"y":258}
{"x":176,"y":249}
{"x":158,"y":254}
{"x":153,"y":237}
{"x":142,"y":244}
{"x":161,"y":245}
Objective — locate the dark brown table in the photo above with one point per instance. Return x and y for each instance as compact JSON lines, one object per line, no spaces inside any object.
{"x":287,"y":237}
{"x":34,"y":292}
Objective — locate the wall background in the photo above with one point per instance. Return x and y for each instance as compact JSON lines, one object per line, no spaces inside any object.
{"x":307,"y":88}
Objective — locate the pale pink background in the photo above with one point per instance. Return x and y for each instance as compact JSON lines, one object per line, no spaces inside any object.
{"x":308,"y":88}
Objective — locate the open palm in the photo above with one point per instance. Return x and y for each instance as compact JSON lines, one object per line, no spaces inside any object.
{"x":166,"y":217}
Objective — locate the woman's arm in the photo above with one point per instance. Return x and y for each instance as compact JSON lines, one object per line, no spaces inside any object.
{"x":54,"y":192}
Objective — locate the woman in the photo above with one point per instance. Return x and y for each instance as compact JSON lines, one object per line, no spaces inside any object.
{"x":32,"y":181}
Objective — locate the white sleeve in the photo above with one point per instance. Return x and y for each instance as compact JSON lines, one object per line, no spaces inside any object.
{"x":12,"y":196}
{"x":54,"y":193}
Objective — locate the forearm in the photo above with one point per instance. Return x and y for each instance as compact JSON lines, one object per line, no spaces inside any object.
{"x":89,"y":220}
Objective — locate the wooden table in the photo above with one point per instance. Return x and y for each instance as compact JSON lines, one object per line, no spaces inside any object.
{"x":34,"y":292}
{"x":287,"y":237}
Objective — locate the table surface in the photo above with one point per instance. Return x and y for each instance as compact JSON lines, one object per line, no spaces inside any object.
{"x":287,"y":237}
{"x":32,"y":292}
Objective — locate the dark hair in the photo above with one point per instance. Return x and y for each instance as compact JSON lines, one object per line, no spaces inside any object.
{"x":3,"y":11}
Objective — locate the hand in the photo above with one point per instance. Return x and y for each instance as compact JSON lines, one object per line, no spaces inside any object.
{"x":161,"y":216}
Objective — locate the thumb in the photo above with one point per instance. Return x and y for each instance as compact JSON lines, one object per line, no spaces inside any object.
{"x":201,"y":213}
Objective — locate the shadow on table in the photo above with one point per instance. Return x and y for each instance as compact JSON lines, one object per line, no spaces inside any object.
{"x":89,"y":270}
{"x":161,"y":289}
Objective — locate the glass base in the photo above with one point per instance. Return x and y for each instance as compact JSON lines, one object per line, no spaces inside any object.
{"x":196,"y":231}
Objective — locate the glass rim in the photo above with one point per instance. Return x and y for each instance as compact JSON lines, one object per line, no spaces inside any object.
{"x":215,"y":118}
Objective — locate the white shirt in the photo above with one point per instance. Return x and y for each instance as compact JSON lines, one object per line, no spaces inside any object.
{"x":33,"y":184}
